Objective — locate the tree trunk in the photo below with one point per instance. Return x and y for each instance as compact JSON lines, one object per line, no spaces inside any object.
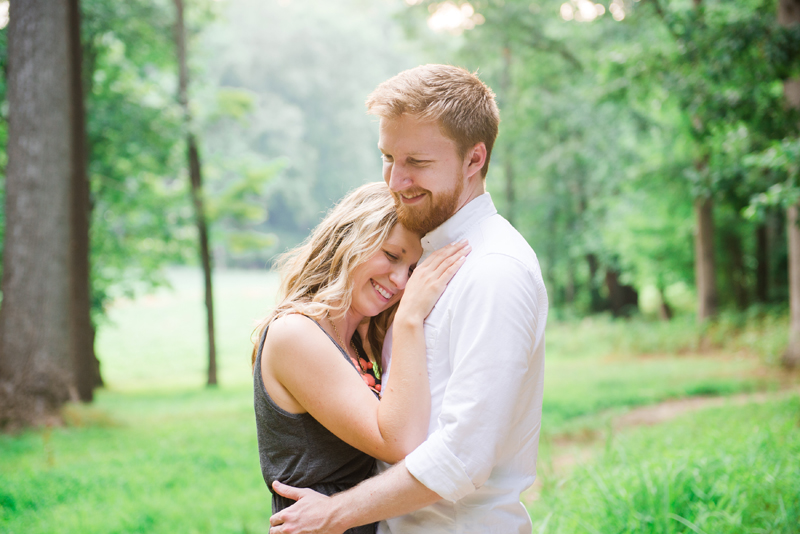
{"x":622,"y":298}
{"x":596,"y":303}
{"x":36,"y":337}
{"x":792,"y":356}
{"x":735,"y":267}
{"x":664,"y":309}
{"x":789,"y":15}
{"x":705,"y":270}
{"x":762,"y":263}
{"x":87,"y":367}
{"x":196,"y":178}
{"x":569,"y":290}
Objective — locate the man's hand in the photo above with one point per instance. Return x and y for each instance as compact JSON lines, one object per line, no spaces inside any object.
{"x":311,"y":514}
{"x":392,"y":493}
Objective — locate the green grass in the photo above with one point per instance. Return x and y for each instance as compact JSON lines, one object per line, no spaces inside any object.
{"x":138,"y":462}
{"x":576,"y":389}
{"x":759,"y":331}
{"x":729,"y":470}
{"x":158,"y":452}
{"x":158,"y":341}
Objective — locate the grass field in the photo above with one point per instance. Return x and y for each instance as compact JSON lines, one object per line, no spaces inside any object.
{"x":158,"y":452}
{"x":729,"y":470}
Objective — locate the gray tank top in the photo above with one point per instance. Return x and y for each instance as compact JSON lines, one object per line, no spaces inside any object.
{"x":297,"y":450}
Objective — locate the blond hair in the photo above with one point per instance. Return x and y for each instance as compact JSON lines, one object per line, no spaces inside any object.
{"x":462,"y":105}
{"x":317,"y":275}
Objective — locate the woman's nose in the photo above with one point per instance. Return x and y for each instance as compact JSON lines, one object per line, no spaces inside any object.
{"x":399,"y":277}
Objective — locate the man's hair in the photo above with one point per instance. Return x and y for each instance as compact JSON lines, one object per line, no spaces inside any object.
{"x":462,"y":105}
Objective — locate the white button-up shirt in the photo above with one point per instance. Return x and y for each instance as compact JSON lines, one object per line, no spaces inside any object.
{"x":485,"y":350}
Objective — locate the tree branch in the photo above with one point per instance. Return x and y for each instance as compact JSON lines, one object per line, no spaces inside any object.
{"x":663,"y":16}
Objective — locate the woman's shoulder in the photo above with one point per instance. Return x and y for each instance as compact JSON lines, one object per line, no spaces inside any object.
{"x":295,"y":332}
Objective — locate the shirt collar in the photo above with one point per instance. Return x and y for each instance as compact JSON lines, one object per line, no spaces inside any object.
{"x":457,"y":226}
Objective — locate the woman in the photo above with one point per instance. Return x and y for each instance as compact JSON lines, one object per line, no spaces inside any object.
{"x":317,"y":373}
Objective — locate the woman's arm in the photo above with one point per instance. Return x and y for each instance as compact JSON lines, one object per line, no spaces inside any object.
{"x":304,"y":371}
{"x":404,"y":411}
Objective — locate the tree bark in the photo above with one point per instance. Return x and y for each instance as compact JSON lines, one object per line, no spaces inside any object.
{"x":789,"y":15}
{"x":196,"y":178}
{"x":569,"y":290}
{"x":735,"y":267}
{"x":622,"y":298}
{"x":705,"y":270}
{"x":762,"y":263}
{"x":36,"y":337}
{"x":87,"y":367}
{"x":792,"y":356}
{"x":596,"y":303}
{"x":664,"y":309}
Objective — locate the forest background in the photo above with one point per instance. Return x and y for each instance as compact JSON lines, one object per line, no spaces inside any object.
{"x":648,"y":152}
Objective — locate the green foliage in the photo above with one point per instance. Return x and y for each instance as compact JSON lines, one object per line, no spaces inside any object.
{"x":610,"y":129}
{"x":286,"y":82}
{"x":730,"y":470}
{"x":140,"y":208}
{"x":780,"y":165}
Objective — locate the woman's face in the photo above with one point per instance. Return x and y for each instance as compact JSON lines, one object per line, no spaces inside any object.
{"x":379,"y":282}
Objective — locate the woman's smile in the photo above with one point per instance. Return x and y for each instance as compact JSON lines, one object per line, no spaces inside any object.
{"x":382,"y":291}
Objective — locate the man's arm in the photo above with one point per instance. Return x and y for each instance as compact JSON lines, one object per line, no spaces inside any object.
{"x":491,"y":407}
{"x":394,"y":492}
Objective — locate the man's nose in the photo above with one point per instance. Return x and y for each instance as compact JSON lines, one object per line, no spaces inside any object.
{"x":397,"y":177}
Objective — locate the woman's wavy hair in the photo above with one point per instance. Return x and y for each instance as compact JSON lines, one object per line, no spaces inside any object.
{"x":317,"y":275}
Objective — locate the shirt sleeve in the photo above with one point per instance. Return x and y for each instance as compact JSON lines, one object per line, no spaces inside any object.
{"x":494,"y":335}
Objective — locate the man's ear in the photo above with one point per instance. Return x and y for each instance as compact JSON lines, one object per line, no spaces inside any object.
{"x":475,"y":159}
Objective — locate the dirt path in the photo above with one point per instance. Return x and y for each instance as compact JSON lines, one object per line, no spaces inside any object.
{"x":579,"y":450}
{"x":665,"y":411}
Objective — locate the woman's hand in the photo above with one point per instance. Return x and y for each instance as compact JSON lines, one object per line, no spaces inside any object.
{"x":429,"y":280}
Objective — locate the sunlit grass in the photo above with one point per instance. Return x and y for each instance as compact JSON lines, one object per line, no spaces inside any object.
{"x":138,"y":462}
{"x":732,"y":470}
{"x":759,"y":332}
{"x":159,"y":340}
{"x":158,"y":452}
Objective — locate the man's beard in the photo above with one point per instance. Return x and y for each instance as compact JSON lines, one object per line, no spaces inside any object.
{"x":431,"y":213}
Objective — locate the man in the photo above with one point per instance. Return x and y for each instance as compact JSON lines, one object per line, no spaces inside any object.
{"x":484,"y":337}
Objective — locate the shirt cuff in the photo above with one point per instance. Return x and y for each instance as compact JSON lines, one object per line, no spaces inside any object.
{"x":439,"y":470}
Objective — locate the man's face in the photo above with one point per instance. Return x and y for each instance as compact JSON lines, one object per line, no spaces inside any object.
{"x":423,"y":170}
